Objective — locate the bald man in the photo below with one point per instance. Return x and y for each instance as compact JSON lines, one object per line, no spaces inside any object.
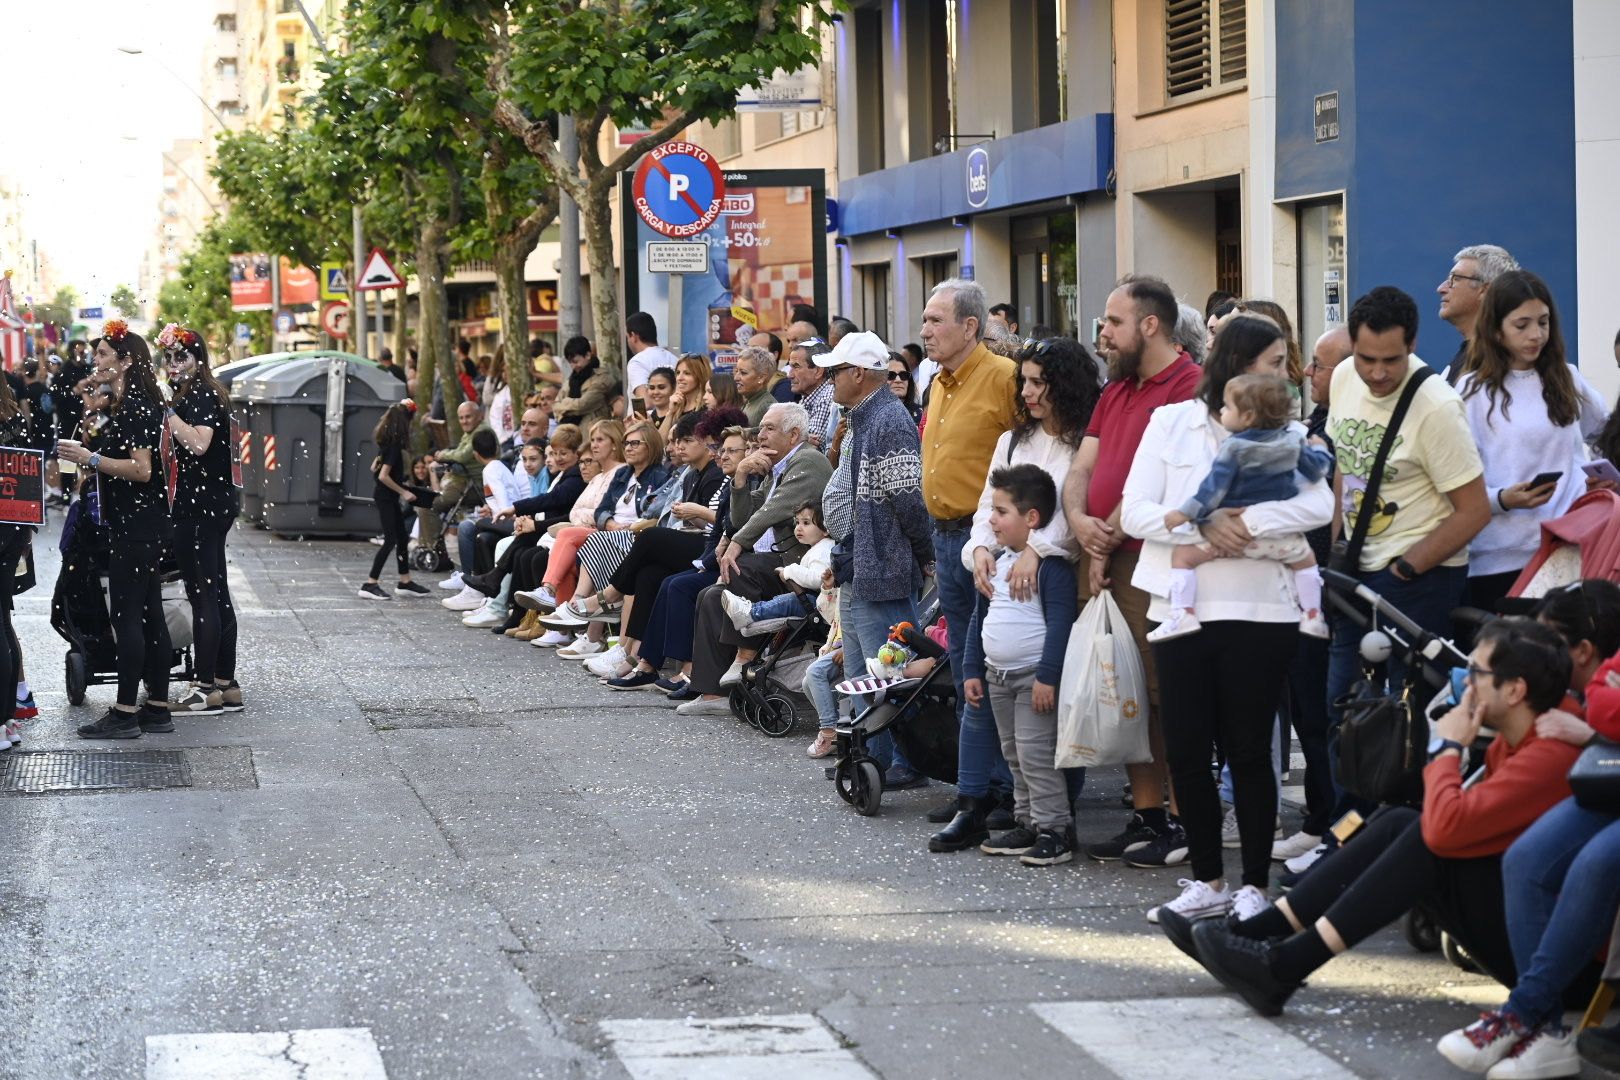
{"x":1329,"y":349}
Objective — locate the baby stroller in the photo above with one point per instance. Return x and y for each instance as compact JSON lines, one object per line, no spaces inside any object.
{"x":920,"y":716}
{"x":80,"y":614}
{"x":769,"y":697}
{"x":432,"y":556}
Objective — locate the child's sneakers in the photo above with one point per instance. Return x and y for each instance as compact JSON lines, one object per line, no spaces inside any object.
{"x":27,"y":708}
{"x":738,"y":610}
{"x":1180,"y":623}
{"x":1311,"y":624}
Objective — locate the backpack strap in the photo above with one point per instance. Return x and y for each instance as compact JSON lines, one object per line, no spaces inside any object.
{"x":1358,"y":535}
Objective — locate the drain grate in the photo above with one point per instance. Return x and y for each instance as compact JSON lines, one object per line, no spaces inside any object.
{"x":36,"y":772}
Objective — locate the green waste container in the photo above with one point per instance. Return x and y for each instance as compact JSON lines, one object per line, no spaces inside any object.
{"x":311,"y":422}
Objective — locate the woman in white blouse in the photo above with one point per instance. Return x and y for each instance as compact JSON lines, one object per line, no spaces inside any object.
{"x":1532,"y":415}
{"x":1223,"y":685}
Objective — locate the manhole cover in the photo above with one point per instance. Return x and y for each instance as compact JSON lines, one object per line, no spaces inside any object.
{"x":35,"y":772}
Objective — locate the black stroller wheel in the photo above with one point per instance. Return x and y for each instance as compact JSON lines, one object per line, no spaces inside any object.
{"x":1457,"y":955}
{"x":1420,"y":931}
{"x":426,"y":560}
{"x":868,"y":788}
{"x":776,"y":716}
{"x":78,"y":677}
{"x":742,"y":705}
{"x":843,"y":779}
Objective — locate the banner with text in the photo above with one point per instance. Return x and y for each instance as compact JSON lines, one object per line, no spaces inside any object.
{"x":22,"y":486}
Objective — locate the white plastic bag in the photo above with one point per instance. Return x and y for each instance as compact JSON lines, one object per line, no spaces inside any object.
{"x":1102,"y":700}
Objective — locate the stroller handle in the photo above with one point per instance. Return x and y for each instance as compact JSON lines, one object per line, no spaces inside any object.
{"x":1420,"y":642}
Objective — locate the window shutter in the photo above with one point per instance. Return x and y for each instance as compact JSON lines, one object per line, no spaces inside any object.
{"x":1187,"y":54}
{"x":1234,"y":48}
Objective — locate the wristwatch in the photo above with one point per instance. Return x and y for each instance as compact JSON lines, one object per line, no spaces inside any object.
{"x":1404,"y":570}
{"x":1438,"y":746}
{"x":94,"y":462}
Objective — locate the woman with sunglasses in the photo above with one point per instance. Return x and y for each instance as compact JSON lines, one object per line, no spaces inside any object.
{"x":903,"y":384}
{"x":206,"y":503}
{"x":125,"y":462}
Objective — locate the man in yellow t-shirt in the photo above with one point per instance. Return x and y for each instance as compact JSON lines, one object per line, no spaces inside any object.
{"x":1431,"y":501}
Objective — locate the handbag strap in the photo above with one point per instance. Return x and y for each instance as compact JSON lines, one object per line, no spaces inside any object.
{"x":1369,"y":498}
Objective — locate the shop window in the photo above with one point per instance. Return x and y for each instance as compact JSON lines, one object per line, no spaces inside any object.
{"x":1205,"y":46}
{"x":872,"y":298}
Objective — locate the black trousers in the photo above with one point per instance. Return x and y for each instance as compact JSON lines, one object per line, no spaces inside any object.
{"x":715,"y":640}
{"x":529,"y":568}
{"x":396,"y":533}
{"x":1229,"y":679}
{"x":485,"y":537}
{"x":14,"y":542}
{"x":657,"y":554}
{"x":200,"y":548}
{"x":141,"y":634}
{"x":1386,"y":870}
{"x":1307,"y":708}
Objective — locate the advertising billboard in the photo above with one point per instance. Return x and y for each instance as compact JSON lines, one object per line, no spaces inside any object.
{"x":250,"y":282}
{"x":765,"y":252}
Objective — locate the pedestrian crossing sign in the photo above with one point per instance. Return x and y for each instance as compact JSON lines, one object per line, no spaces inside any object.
{"x":334,"y":281}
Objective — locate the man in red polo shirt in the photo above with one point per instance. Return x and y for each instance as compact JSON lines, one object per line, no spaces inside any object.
{"x":1145,"y":370}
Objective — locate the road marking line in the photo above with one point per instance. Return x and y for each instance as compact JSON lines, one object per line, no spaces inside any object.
{"x":793,"y":1046}
{"x":1214,"y":1036}
{"x":306,"y":1054}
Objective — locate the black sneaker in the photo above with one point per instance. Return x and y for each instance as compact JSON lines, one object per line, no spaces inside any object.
{"x":898,"y":779}
{"x":1243,"y":965}
{"x":639,"y":679}
{"x":488,"y":584}
{"x":1137,"y":834}
{"x":412,"y":588}
{"x":1001,"y":814}
{"x":1179,"y":928}
{"x":1052,"y":846}
{"x":1014,"y":841}
{"x":942,"y":813}
{"x":1168,"y":848}
{"x":155,"y":720}
{"x":372,"y":591}
{"x":114,"y":724}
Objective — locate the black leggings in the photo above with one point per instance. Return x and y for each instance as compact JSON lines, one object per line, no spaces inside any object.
{"x":529,"y":568}
{"x":1386,"y":870}
{"x":13,"y":543}
{"x":656,"y":554}
{"x":200,"y":547}
{"x":1229,"y":679}
{"x":136,"y":594}
{"x":396,"y":531}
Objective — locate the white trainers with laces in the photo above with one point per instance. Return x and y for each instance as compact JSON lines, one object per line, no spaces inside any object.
{"x":1294,"y":846}
{"x":738,"y":610}
{"x":485,"y":617}
{"x":1545,"y":1053}
{"x":607,"y":663}
{"x":581,"y":648}
{"x":1301,"y":863}
{"x":1248,"y":902}
{"x":453,"y":582}
{"x":551,"y":639}
{"x":1180,"y":623}
{"x":1197,"y":901}
{"x":468,"y":599}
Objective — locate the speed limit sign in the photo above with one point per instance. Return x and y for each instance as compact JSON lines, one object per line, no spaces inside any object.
{"x":335,"y":319}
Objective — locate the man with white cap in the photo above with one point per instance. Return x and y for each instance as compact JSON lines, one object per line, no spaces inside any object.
{"x":873,"y":506}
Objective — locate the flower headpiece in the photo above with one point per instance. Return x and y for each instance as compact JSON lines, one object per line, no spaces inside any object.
{"x":115,"y":329}
{"x":409,"y":403}
{"x":174,"y":337}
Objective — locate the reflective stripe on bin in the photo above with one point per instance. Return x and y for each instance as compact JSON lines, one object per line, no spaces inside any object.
{"x":244,"y":446}
{"x":269,"y":453}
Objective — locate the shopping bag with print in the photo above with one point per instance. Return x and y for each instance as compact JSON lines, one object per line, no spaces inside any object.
{"x":1102,"y":698}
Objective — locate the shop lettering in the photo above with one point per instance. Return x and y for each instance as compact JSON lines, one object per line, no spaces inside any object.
{"x":15,"y":464}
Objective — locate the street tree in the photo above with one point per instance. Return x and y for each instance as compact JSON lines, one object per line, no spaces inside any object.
{"x":662,"y":65}
{"x":124,"y":302}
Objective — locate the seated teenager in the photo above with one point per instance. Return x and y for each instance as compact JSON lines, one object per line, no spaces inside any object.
{"x":1447,"y":858}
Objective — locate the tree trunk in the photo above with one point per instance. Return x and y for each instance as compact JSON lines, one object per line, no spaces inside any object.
{"x":597,"y":221}
{"x":437,"y":356}
{"x":401,"y":339}
{"x":512,"y":296}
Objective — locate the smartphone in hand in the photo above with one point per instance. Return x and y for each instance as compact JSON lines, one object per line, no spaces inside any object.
{"x":1601,"y":469}
{"x":1543,"y":479}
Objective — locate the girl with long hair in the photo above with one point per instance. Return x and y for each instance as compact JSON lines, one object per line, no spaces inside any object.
{"x":125,"y":460}
{"x":14,"y":541}
{"x":1531,"y":414}
{"x":722,"y":393}
{"x":206,"y":502}
{"x":394,"y":498}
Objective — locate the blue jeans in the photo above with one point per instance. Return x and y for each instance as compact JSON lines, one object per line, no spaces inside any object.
{"x":1561,"y":886}
{"x":979,"y":764}
{"x":669,"y":630}
{"x":1428,"y":601}
{"x":464,"y":543}
{"x":789,"y":605}
{"x":818,"y":687}
{"x":866,"y":626}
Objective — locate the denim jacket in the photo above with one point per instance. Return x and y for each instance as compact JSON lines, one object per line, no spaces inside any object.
{"x":652,"y":478}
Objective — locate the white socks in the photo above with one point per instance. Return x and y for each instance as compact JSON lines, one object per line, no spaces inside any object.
{"x":1183,"y":589}
{"x":1308,"y":583}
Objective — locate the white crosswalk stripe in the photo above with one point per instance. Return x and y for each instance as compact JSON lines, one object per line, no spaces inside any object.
{"x":306,"y":1054}
{"x":1215,"y":1036}
{"x":792,"y":1046}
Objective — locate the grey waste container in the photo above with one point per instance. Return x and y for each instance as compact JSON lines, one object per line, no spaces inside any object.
{"x":312,"y":420}
{"x":235,"y":376}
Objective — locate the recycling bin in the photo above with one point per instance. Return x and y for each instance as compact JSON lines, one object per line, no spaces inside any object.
{"x":311,"y":421}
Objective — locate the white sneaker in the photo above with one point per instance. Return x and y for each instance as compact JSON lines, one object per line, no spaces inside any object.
{"x":485,"y":617}
{"x":733,"y":674}
{"x":1314,"y":626}
{"x":551,"y":639}
{"x":1248,"y":902}
{"x":1180,"y":623}
{"x":1294,"y":846}
{"x":468,"y":599}
{"x":1231,"y":838}
{"x":581,"y":648}
{"x":453,"y":582}
{"x":1545,"y":1054}
{"x":1301,"y":863}
{"x":1479,"y":1046}
{"x":607,"y":663}
{"x":564,"y":618}
{"x":1197,"y":901}
{"x":738,"y":610}
{"x":704,"y":707}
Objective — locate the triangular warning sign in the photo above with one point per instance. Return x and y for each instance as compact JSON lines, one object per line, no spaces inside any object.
{"x":379,"y":273}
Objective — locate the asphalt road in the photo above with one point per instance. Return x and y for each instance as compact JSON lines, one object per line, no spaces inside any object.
{"x":427,"y":852}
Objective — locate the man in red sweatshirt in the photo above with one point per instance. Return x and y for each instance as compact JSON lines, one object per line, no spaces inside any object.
{"x":1448,"y":858}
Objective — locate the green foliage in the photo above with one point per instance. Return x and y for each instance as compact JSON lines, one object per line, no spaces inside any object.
{"x":279,"y":194}
{"x":200,"y":297}
{"x":123,"y":299}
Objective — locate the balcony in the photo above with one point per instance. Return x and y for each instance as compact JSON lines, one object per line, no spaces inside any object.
{"x":287,"y":70}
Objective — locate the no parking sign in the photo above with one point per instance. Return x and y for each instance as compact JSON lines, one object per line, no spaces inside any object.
{"x":679,"y":189}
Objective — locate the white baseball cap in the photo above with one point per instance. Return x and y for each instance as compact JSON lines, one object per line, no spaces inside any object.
{"x":863,"y":350}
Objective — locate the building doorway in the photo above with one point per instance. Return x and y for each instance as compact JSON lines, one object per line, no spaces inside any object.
{"x":1324,"y":288}
{"x":1045,"y":273}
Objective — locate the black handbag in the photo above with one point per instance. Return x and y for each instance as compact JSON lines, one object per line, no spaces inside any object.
{"x":1595,"y":777}
{"x":1383,"y":742}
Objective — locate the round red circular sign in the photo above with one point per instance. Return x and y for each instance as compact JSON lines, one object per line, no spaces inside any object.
{"x":679,"y":189}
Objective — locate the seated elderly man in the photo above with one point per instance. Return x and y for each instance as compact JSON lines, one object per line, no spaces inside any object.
{"x":460,"y":464}
{"x":767,"y":490}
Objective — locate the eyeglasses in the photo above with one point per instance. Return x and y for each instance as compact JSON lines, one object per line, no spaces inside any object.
{"x":1452,"y":279}
{"x":1477,"y":672}
{"x":732,"y":450}
{"x":628,"y":443}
